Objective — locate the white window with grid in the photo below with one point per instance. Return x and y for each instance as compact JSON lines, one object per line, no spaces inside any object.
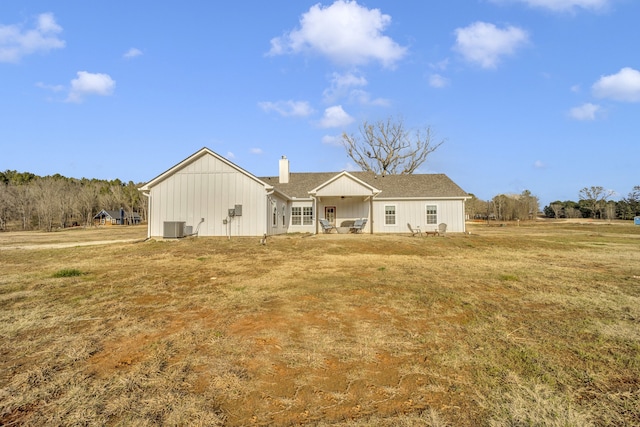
{"x":296,"y":215}
{"x":307,"y":215}
{"x":389,"y":215}
{"x":432,"y":214}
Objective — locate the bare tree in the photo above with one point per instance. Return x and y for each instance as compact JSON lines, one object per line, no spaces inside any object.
{"x":388,"y":148}
{"x":131,"y":197}
{"x":557,"y":209}
{"x":88,"y":201}
{"x":475,"y":208}
{"x":24,"y":203}
{"x":610,"y":210}
{"x":6,"y":204}
{"x":594,"y":198}
{"x":510,"y":207}
{"x":46,"y":197}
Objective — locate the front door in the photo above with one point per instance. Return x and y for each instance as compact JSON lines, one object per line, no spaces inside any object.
{"x":330,"y":214}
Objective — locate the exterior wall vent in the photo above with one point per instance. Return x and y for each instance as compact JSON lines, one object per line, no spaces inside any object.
{"x":173,"y":229}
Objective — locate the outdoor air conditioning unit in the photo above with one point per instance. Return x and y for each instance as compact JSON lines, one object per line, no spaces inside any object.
{"x":173,"y":229}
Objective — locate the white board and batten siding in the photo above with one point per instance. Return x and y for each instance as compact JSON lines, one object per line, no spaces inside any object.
{"x":207,"y":188}
{"x":414,"y":212}
{"x":344,"y":186}
{"x":302,"y":228}
{"x":279,"y":206}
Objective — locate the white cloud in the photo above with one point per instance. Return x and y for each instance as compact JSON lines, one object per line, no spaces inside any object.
{"x":332,"y":140}
{"x":16,"y":42}
{"x":341,"y":85}
{"x":363,"y":97}
{"x":538,"y":164}
{"x":230,"y":155}
{"x":256,"y":151}
{"x":132,"y":53}
{"x":576,"y":89}
{"x":288,"y":108}
{"x":586,"y":111}
{"x":623,"y":86}
{"x":345,"y":32}
{"x":335,"y":117}
{"x":563,"y":5}
{"x":52,"y":88}
{"x":90,"y":84}
{"x":484,"y":44}
{"x":438,"y":81}
{"x":348,"y":85}
{"x":441,"y":65}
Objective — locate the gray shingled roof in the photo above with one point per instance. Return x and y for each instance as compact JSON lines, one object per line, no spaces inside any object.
{"x":391,"y":186}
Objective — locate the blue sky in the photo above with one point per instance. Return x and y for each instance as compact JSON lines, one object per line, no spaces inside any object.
{"x":542,"y":95}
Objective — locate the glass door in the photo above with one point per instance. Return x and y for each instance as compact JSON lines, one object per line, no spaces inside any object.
{"x":330,"y":214}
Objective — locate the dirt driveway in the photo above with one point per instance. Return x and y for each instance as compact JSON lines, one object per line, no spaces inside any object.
{"x":69,"y":238}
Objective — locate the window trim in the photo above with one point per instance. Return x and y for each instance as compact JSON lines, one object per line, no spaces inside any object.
{"x":302,"y":216}
{"x":274,"y":220}
{"x":296,"y":217}
{"x":307,"y":215}
{"x":395,"y":215}
{"x":433,"y":216}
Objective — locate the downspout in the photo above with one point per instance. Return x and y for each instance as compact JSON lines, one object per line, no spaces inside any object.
{"x":315,"y":213}
{"x":371,"y":214}
{"x":268,"y":203}
{"x":148,"y":196}
{"x":464,"y":215}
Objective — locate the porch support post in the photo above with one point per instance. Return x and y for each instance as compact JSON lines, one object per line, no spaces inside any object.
{"x":315,"y":213}
{"x":371,"y":214}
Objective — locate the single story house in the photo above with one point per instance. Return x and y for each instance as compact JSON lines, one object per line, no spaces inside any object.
{"x":208,"y":195}
{"x":117,"y":217}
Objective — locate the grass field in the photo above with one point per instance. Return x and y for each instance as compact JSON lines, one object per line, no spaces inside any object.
{"x":530,"y":325}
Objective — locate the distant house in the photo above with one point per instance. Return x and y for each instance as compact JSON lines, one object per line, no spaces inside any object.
{"x":117,"y":217}
{"x":208,"y":193}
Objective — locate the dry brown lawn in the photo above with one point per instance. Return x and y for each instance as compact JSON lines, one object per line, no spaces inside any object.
{"x":531,"y":325}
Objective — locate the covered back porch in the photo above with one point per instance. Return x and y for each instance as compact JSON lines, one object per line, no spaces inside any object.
{"x":342,"y":201}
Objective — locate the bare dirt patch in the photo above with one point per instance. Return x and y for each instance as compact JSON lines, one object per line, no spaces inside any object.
{"x":71,"y":237}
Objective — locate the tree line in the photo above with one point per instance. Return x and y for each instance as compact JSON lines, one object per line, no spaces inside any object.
{"x":596,"y":202}
{"x":504,"y":207}
{"x":29,"y":202}
{"x":593,"y":202}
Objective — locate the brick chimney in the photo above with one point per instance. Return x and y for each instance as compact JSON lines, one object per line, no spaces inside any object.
{"x":284,"y":170}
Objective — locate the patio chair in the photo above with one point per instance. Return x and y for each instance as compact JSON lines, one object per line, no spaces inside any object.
{"x":442,"y":228}
{"x":414,"y":231}
{"x":326,"y":226}
{"x":358,"y":225}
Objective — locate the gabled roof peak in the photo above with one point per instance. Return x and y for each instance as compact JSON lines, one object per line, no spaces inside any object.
{"x":192,"y":158}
